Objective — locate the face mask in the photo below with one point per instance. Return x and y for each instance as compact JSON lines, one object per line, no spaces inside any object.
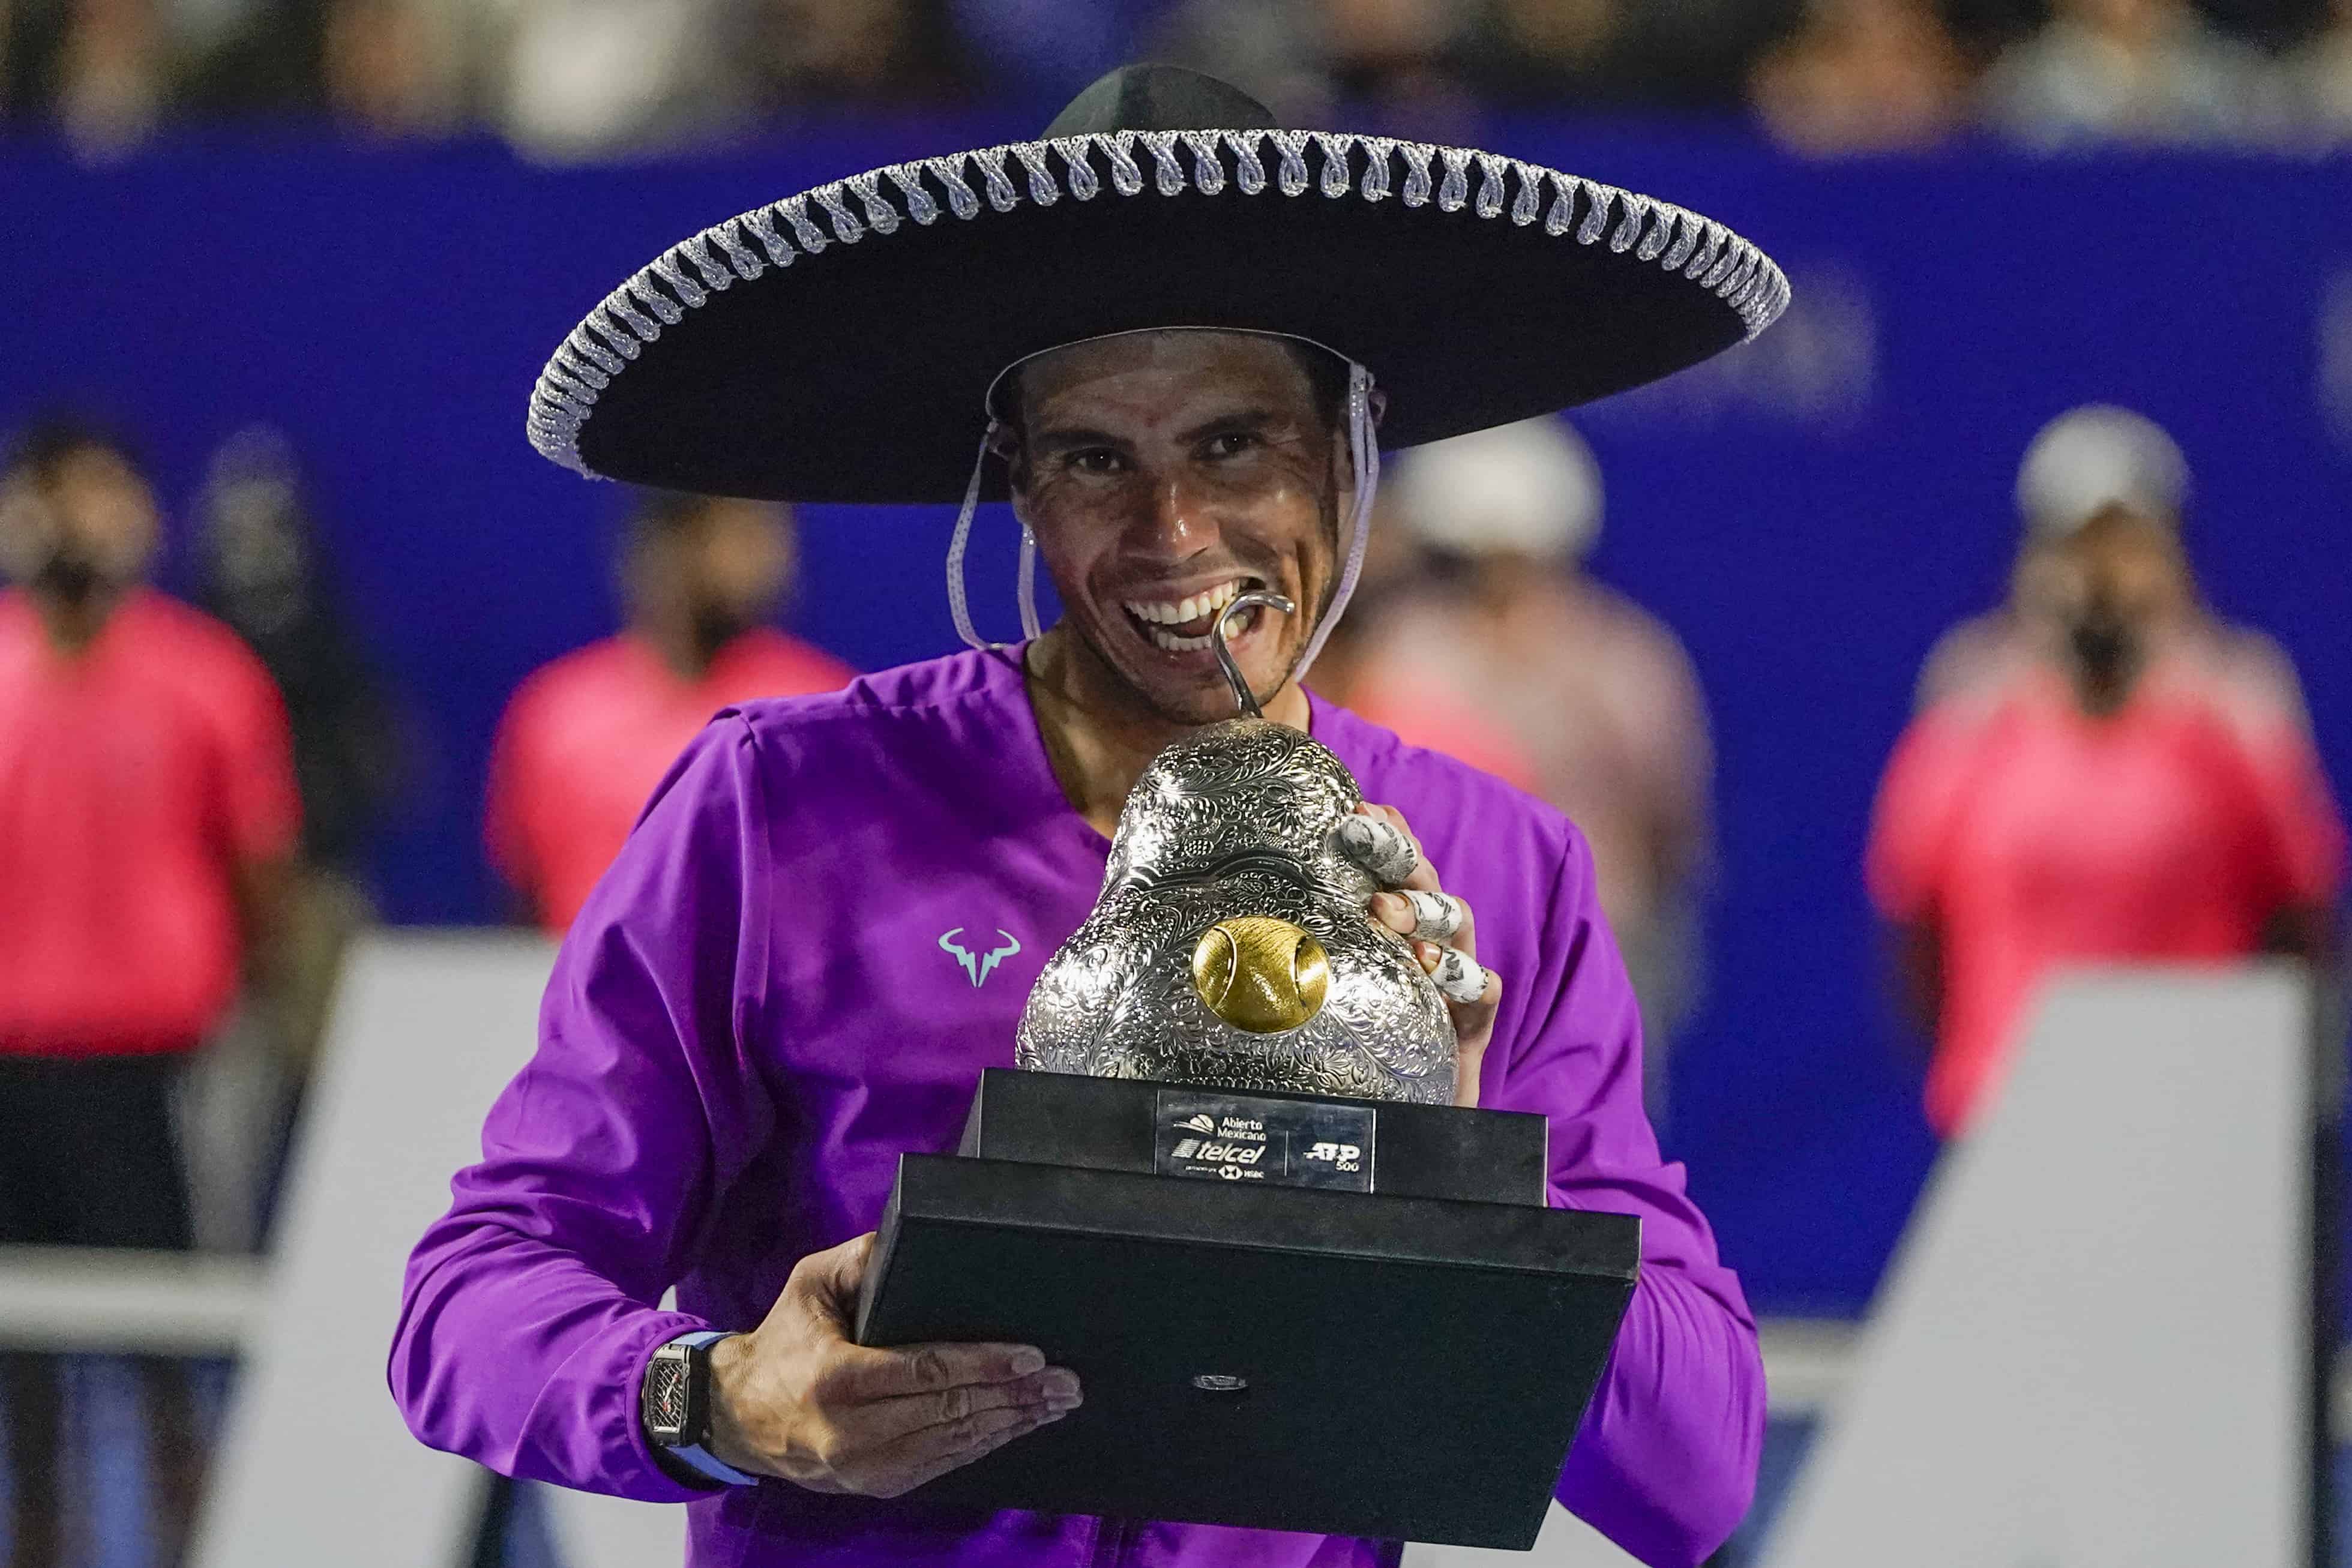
{"x":68,"y":576}
{"x":2105,"y":646}
{"x":716,"y":625}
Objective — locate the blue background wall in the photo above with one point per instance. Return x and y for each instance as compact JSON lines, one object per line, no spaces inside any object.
{"x":1808,"y":512}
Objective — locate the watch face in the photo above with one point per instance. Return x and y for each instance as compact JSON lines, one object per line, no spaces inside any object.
{"x":665,"y":1403}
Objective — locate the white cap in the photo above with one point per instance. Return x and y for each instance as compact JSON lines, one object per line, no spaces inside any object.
{"x":2096,"y":457}
{"x":1531,"y":489}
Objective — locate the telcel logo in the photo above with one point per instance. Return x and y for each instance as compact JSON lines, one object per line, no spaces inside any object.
{"x":1219,"y":1154}
{"x":1345,"y":1155}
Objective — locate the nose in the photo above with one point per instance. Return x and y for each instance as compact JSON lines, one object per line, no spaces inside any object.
{"x":1178,"y":522}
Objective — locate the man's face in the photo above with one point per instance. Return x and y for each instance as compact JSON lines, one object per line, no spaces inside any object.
{"x":1163,"y":473}
{"x":2111,"y":586}
{"x":740,"y":558}
{"x":90,"y":528}
{"x":718,"y":574}
{"x":2126,"y":565}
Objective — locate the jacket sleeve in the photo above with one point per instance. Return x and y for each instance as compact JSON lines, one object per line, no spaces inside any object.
{"x":528,"y":1310}
{"x":1665,"y":1464}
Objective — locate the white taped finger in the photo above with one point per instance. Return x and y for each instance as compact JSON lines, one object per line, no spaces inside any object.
{"x":1437,"y":916}
{"x":1382,"y":850}
{"x":1458,"y":976}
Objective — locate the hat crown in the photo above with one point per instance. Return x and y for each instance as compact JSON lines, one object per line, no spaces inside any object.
{"x":1159,"y":97}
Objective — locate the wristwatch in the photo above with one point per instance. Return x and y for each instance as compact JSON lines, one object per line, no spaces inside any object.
{"x":674,"y":1406}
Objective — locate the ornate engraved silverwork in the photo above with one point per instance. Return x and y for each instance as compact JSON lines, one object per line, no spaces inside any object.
{"x":1233,"y":821}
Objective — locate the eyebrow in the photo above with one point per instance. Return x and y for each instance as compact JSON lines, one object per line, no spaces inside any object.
{"x":1071,"y":437}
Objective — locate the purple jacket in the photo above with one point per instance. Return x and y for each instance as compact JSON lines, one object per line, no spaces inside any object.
{"x":755,"y":1015}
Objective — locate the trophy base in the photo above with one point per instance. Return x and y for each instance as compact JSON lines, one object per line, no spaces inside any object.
{"x":1257,"y":1353}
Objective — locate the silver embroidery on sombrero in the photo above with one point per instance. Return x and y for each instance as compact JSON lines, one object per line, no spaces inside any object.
{"x":684,"y":277}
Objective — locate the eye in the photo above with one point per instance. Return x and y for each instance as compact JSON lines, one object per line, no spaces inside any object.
{"x":1233,"y":443}
{"x":1097,"y":460}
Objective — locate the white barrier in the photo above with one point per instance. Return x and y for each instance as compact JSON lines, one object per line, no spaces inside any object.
{"x":315,"y":1465}
{"x":2095,"y":1347}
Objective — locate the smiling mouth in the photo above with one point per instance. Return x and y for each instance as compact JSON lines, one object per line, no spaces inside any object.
{"x":1183,"y":625}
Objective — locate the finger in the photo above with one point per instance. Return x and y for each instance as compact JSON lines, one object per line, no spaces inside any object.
{"x":1423,"y":875}
{"x":1459,"y":977}
{"x":1473,"y":1020}
{"x":1386,"y":853}
{"x":826,"y":1282}
{"x":1437,"y":916}
{"x":1431,"y":917}
{"x":926,"y":1455}
{"x":859,"y":1376}
{"x":1471,"y":1042}
{"x":885,"y":1421}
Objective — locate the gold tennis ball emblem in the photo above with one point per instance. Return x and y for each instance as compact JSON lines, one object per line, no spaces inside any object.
{"x":1261,"y":974}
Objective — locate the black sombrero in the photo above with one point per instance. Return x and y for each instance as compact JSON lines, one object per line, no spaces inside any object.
{"x":838,"y":345}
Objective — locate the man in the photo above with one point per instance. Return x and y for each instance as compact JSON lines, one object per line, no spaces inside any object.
{"x":753,"y":1015}
{"x":587,"y":739}
{"x":2104,"y":773}
{"x":263,"y":569}
{"x":147,"y":816}
{"x":1597,"y":708}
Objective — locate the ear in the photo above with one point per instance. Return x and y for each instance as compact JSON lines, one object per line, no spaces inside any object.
{"x":1379,"y":399}
{"x":1004,"y":445}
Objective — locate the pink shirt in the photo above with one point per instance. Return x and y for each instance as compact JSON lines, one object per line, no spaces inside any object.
{"x":2037,"y":837}
{"x":135,"y":779}
{"x":587,"y":739}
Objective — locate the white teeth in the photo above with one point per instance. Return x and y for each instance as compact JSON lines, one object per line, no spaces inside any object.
{"x":1175,"y":612}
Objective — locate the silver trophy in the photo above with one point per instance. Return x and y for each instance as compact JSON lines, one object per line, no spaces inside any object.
{"x":1231,"y":945}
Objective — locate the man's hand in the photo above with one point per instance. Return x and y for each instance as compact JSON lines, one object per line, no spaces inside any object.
{"x":795,"y":1399}
{"x":1443,"y":935}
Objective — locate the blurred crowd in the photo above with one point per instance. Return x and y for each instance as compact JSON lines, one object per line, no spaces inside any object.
{"x":2099,"y":769}
{"x":588,"y":78}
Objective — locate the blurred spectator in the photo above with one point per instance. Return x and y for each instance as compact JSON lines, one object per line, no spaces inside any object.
{"x":1270,"y":49}
{"x":1049,"y":49}
{"x":392,"y":66}
{"x":1862,"y":75}
{"x":2135,"y":70}
{"x":587,"y":739}
{"x":571,"y":78}
{"x":147,"y":812}
{"x":1557,"y":54}
{"x":868,"y":54}
{"x":1391,"y":61}
{"x":1524,"y":666}
{"x":2317,"y":78}
{"x":101,"y":70}
{"x":262,"y":572}
{"x":2105,"y":772}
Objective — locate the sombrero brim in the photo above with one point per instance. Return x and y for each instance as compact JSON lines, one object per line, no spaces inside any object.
{"x":837,"y":346}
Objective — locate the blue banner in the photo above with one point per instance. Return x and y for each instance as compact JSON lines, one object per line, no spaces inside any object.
{"x":1808,"y":512}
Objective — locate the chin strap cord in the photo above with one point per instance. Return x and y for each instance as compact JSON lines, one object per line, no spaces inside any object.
{"x":959,"y":604}
{"x":1365,"y":452}
{"x":1028,"y":589}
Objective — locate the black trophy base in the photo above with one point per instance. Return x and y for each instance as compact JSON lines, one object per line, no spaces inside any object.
{"x":1268,"y":1355}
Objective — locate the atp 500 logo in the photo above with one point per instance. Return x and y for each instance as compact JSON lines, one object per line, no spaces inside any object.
{"x":1340,"y":1156}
